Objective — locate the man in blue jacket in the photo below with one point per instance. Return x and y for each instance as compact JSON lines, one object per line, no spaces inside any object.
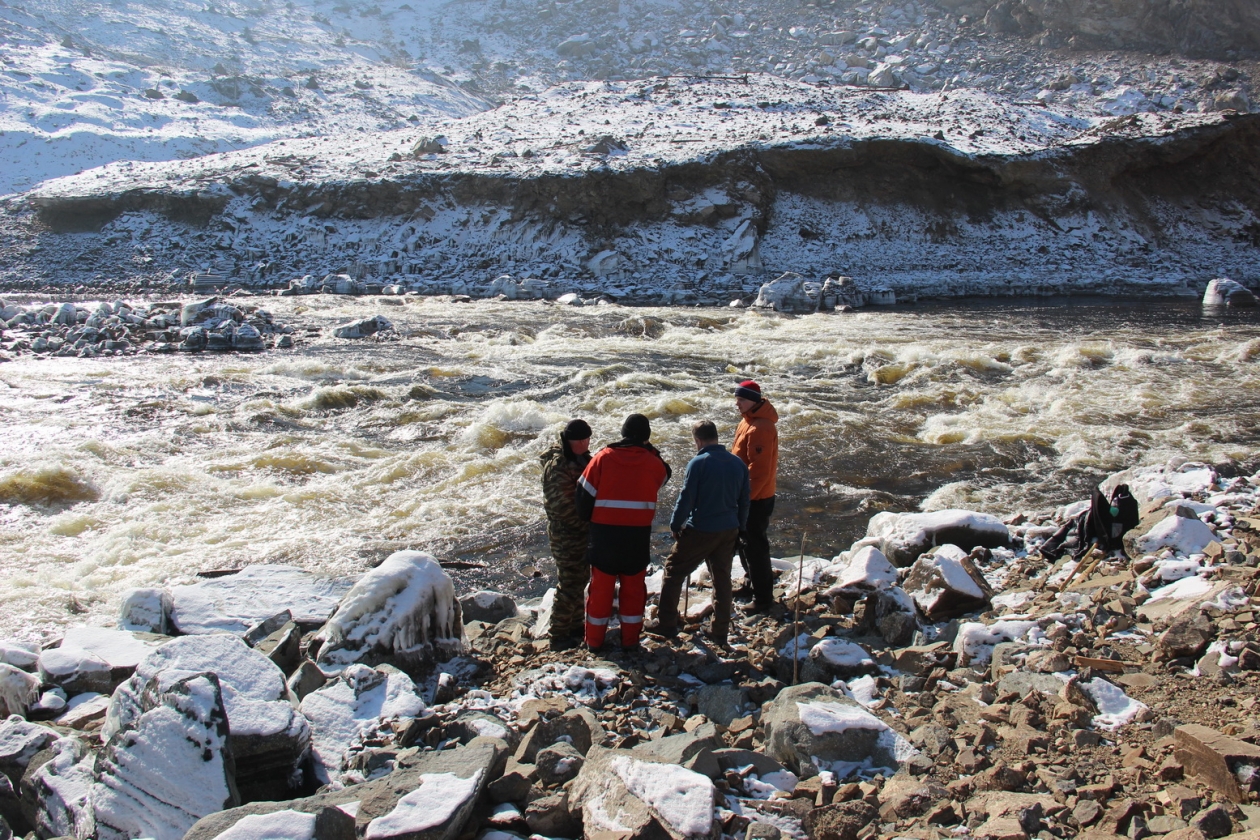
{"x":711,"y":511}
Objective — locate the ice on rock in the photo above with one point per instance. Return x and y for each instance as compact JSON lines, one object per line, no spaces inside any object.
{"x":680,"y":798}
{"x":975,"y":641}
{"x":18,"y":690}
{"x":120,"y":649}
{"x":867,"y":570}
{"x":1115,"y":708}
{"x":269,"y":737}
{"x":404,"y":611}
{"x":905,"y":536}
{"x":1225,"y":292}
{"x":74,"y":669}
{"x":145,"y":610}
{"x":62,"y":789}
{"x":441,"y":799}
{"x":1184,"y":536}
{"x":278,"y":825}
{"x":167,"y":767}
{"x":786,"y":293}
{"x":237,"y":602}
{"x":19,"y":655}
{"x":945,"y":584}
{"x":351,"y":709}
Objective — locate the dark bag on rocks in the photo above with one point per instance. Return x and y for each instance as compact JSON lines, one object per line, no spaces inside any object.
{"x":1098,"y":526}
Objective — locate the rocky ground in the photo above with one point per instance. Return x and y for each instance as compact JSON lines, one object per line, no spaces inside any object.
{"x":940,"y":678}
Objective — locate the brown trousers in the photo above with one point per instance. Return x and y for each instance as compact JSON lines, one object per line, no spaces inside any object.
{"x":714,"y":548}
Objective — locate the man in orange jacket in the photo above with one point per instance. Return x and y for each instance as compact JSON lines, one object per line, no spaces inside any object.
{"x":617,"y":493}
{"x":757,"y":445}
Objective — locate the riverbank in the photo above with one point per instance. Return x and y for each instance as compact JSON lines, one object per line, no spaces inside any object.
{"x":987,"y":688}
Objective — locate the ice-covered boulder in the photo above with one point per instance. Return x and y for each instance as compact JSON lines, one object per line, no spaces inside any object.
{"x":59,"y":791}
{"x":95,"y":659}
{"x":145,"y":610}
{"x":946,"y":584}
{"x":169,"y":765}
{"x":235,"y":603}
{"x":786,"y":293}
{"x":832,"y":658}
{"x":437,"y":809}
{"x":1184,"y":535}
{"x":356,"y":707}
{"x":904,"y":536}
{"x":1225,"y":292}
{"x":404,"y":611}
{"x":18,"y":690}
{"x":487,"y":606}
{"x":269,"y":738}
{"x":363,"y":328}
{"x":617,"y":791}
{"x":812,"y":727}
{"x":75,"y":670}
{"x":867,"y":570}
{"x":19,"y":742}
{"x":364,"y":803}
{"x":20,"y":655}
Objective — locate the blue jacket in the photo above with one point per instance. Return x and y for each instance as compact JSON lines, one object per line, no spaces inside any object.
{"x":714,"y":496}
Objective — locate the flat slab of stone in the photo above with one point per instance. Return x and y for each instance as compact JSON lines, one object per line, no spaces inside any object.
{"x":1214,"y":757}
{"x":237,"y":602}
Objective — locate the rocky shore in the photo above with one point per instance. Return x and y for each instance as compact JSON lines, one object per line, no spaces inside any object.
{"x":939,"y":678}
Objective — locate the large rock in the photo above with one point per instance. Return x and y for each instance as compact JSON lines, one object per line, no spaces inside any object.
{"x":490,"y":607}
{"x":363,"y":328}
{"x":946,"y":584}
{"x":867,"y":570}
{"x":20,"y":655}
{"x":1184,"y":535}
{"x":1225,"y":764}
{"x":404,"y":611}
{"x":1223,"y":292}
{"x":905,"y":536}
{"x":146,"y":610}
{"x":95,"y":659}
{"x":813,"y":727}
{"x":832,"y":658}
{"x":482,"y":760}
{"x":619,"y":791}
{"x":356,"y":707}
{"x":786,"y":293}
{"x":235,"y":603}
{"x":578,"y":727}
{"x":57,"y":793}
{"x":168,"y":766}
{"x":18,"y":690}
{"x":19,"y":742}
{"x":268,"y":737}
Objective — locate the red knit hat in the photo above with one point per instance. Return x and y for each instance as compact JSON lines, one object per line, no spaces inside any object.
{"x":749,"y":390}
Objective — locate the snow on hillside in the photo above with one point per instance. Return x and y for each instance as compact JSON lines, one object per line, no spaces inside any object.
{"x":87,"y":83}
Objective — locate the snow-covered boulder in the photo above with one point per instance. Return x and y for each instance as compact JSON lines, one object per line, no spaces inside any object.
{"x":946,"y":584}
{"x":145,"y":610}
{"x":269,"y":738}
{"x":1225,"y":292}
{"x":786,"y":293}
{"x":365,"y":802}
{"x":235,"y":603}
{"x":61,"y":791}
{"x":75,"y":670}
{"x":867,"y":570}
{"x":404,"y":611}
{"x":20,"y":655}
{"x":487,"y":606}
{"x":18,"y":690}
{"x":891,"y":613}
{"x":169,"y":765}
{"x":812,"y":727}
{"x":19,"y":742}
{"x":904,"y":536}
{"x":619,"y":791}
{"x":363,"y":328}
{"x":1182,"y":534}
{"x":831,"y":658}
{"x":437,"y":809}
{"x":357,"y":706}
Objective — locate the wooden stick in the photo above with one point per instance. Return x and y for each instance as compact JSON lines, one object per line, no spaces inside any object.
{"x":686,"y":599}
{"x":796,"y":621}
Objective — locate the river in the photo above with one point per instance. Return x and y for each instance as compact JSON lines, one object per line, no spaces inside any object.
{"x":136,"y":471}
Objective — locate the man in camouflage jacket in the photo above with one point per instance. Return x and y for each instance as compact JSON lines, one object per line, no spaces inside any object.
{"x":566,"y":530}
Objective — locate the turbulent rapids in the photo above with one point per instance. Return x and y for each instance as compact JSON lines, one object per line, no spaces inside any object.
{"x":123,"y":472}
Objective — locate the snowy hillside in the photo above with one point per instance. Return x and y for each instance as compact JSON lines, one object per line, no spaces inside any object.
{"x":87,"y":83}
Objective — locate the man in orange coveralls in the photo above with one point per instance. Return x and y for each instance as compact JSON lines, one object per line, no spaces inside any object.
{"x":757,"y":445}
{"x":617,"y":493}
